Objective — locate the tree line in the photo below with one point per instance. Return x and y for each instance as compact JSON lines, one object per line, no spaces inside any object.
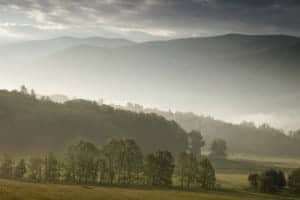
{"x":117,"y":162}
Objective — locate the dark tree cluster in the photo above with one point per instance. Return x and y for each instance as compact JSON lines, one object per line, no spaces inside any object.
{"x":294,"y":181}
{"x":117,"y":162}
{"x":218,"y":149}
{"x":193,"y":172}
{"x":272,"y":181}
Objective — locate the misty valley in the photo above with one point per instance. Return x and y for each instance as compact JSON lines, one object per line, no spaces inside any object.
{"x":54,"y":140}
{"x":149,"y":100}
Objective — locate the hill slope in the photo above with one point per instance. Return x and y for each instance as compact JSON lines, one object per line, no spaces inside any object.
{"x":28,"y":124}
{"x":243,"y":138}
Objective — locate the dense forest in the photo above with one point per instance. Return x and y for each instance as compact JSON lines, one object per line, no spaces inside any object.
{"x":244,"y":138}
{"x":241,"y":138}
{"x":28,"y":124}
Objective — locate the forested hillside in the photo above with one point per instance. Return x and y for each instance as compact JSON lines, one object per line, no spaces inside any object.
{"x":28,"y":124}
{"x":241,"y":138}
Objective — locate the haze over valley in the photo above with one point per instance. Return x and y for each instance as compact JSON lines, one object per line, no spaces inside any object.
{"x":230,"y":77}
{"x":149,"y":99}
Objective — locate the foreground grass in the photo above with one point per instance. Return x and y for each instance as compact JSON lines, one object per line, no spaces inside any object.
{"x":11,"y":190}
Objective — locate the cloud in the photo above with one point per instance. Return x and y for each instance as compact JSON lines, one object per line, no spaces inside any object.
{"x":9,"y":35}
{"x":159,"y":18}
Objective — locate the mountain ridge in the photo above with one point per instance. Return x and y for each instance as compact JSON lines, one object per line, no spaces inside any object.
{"x":218,"y":75}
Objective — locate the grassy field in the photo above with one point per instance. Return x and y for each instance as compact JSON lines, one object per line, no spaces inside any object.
{"x":10,"y":190}
{"x":233,"y":173}
{"x":279,"y":162}
{"x":245,"y":164}
{"x":232,"y":181}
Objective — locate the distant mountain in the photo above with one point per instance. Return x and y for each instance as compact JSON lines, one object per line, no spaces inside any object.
{"x":236,"y":69}
{"x":28,"y":51}
{"x":228,"y":76}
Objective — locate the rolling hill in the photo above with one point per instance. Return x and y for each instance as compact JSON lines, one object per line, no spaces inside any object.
{"x":31,"y":125}
{"x":231,"y":75}
{"x":244,"y":138}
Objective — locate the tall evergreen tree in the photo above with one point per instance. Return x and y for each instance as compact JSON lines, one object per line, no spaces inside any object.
{"x":206,"y":176}
{"x":294,"y":181}
{"x":113,"y":154}
{"x":186,"y":168}
{"x":24,"y":90}
{"x":35,"y":169}
{"x":52,"y":168}
{"x":82,"y":163}
{"x":196,"y":143}
{"x":218,"y":148}
{"x":20,"y":169}
{"x":159,"y":168}
{"x":6,"y":168}
{"x":132,"y":159}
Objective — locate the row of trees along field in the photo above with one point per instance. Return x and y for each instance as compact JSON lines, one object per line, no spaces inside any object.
{"x":117,"y":162}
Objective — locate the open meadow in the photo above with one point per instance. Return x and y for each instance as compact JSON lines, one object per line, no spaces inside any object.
{"x":233,"y":172}
{"x":11,"y":190}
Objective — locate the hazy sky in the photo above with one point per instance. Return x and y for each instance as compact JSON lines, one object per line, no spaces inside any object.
{"x":145,"y":19}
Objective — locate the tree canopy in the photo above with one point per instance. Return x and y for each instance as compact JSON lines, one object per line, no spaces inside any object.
{"x":31,"y":124}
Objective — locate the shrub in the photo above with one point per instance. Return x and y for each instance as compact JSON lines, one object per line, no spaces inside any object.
{"x":253,"y":180}
{"x":271,"y":181}
{"x":294,"y":181}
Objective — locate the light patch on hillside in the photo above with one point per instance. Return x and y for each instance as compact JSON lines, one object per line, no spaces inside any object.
{"x":285,"y":121}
